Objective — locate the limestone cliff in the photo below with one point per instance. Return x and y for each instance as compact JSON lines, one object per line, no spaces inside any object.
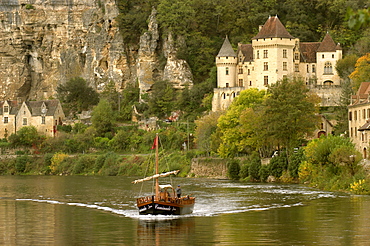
{"x":46,"y":42}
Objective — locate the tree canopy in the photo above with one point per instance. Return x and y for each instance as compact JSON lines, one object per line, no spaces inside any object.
{"x":76,"y":95}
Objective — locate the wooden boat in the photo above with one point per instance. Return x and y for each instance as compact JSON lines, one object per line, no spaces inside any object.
{"x":164,"y":201}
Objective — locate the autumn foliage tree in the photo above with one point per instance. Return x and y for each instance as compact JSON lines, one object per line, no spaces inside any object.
{"x":362,"y":71}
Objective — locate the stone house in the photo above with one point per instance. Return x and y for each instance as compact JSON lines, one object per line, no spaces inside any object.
{"x":273,"y":55}
{"x":44,"y":115}
{"x":8,"y":112}
{"x":359,"y":118}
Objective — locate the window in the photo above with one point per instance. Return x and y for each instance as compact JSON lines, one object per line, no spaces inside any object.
{"x":258,"y":54}
{"x":265,"y":80}
{"x":296,"y":56}
{"x":42,"y":119}
{"x":355,"y":115}
{"x":6,"y":109}
{"x":285,"y":54}
{"x":250,"y":83}
{"x":350,"y":116}
{"x":328,"y":68}
{"x":322,"y":56}
{"x":227,"y":84}
{"x":24,"y":121}
{"x":265,"y":66}
{"x":249,"y":72}
{"x":6,"y":120}
{"x":296,"y":67}
{"x":227,"y":71}
{"x":240,"y":70}
{"x":308,"y":69}
{"x":364,"y":113}
{"x":240,"y":82}
{"x":265,"y":53}
{"x":285,"y":66}
{"x":332,"y":56}
{"x":313,"y":69}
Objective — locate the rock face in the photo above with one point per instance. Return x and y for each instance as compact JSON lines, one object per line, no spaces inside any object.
{"x":46,"y":43}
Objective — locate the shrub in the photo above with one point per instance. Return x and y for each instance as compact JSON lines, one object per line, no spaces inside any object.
{"x":21,"y":163}
{"x":255,"y":166}
{"x":278,"y":164}
{"x":233,"y":169}
{"x":264,"y":173}
{"x":57,"y":161}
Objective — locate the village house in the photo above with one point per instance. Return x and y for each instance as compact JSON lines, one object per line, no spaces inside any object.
{"x":8,"y":112}
{"x":273,"y":55}
{"x":44,"y":115}
{"x":359,"y":118}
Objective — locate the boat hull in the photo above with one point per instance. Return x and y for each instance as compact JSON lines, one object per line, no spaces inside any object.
{"x":163,"y":208}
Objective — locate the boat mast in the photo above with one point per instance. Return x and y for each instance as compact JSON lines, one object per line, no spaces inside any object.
{"x":156,"y":168}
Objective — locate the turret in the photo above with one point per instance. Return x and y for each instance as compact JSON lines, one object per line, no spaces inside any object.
{"x":226,"y":62}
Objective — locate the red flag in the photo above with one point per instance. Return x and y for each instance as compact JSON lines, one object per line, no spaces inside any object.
{"x":155,"y":142}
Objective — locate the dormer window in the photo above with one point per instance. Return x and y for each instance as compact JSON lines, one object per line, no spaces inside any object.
{"x":6,"y":109}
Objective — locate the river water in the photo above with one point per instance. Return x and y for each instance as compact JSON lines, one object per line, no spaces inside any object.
{"x":79,"y":210}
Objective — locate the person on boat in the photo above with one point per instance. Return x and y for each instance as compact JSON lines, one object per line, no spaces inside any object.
{"x":178,"y":191}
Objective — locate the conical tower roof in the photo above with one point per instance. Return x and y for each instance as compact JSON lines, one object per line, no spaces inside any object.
{"x":327,"y":44}
{"x":273,"y":28}
{"x":226,"y":49}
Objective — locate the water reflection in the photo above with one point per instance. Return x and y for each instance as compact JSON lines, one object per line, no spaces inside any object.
{"x":165,"y":232}
{"x":101,"y":210}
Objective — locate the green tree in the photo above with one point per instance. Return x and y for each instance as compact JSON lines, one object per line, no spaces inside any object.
{"x":205,"y":127}
{"x":236,"y":131}
{"x":27,"y":136}
{"x":103,"y":117}
{"x":76,"y":95}
{"x":289,"y":113}
{"x":175,"y":15}
{"x":161,"y":101}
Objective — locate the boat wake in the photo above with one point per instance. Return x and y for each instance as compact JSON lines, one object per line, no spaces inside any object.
{"x":200,"y":210}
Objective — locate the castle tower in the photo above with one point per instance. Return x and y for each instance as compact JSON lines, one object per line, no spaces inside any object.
{"x":327,"y":56}
{"x":275,"y":53}
{"x":226,"y":91}
{"x":226,"y":62}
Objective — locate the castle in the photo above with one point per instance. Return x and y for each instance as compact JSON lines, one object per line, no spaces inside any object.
{"x":273,"y":55}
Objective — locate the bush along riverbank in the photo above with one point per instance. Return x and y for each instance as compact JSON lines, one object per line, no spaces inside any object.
{"x":329,"y":163}
{"x":110,"y":164}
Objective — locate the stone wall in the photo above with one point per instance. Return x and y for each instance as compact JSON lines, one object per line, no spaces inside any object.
{"x":209,"y":168}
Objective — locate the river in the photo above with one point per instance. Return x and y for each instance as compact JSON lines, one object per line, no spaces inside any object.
{"x":95,"y":210}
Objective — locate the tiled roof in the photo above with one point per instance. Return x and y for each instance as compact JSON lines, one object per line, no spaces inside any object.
{"x":247,"y":51}
{"x":362,"y":94}
{"x":273,"y":28}
{"x":327,"y":44}
{"x":13,"y":107}
{"x":226,"y":49}
{"x":35,"y":107}
{"x":308,"y":51}
{"x":365,"y":127}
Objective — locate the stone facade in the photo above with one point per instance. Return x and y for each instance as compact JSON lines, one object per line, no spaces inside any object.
{"x":273,"y":55}
{"x":44,"y":115}
{"x":359,"y":118}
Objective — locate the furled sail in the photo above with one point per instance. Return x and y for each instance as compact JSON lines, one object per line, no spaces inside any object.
{"x":160,"y":175}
